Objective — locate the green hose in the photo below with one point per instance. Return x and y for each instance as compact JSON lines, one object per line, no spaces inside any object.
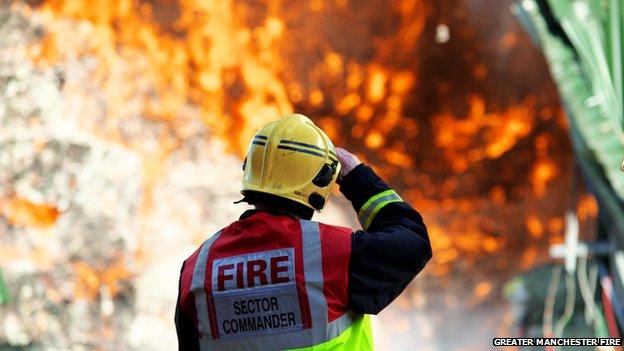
{"x":4,"y":291}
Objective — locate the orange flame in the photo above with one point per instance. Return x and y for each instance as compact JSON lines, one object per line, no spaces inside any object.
{"x":204,"y":55}
{"x":90,"y":279}
{"x":481,"y":134}
{"x":22,"y":212}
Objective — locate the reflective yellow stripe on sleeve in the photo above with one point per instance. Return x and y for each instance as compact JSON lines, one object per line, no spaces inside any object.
{"x":369,"y":210}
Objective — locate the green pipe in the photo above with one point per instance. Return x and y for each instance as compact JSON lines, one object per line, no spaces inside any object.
{"x":616,"y":52}
{"x":5,"y":297}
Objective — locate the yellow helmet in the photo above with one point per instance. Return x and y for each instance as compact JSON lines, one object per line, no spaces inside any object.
{"x":294,"y":159}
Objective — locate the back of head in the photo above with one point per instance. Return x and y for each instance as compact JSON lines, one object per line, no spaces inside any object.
{"x":290,"y":159}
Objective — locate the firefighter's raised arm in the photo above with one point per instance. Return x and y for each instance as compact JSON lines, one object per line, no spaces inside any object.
{"x":393,"y":246}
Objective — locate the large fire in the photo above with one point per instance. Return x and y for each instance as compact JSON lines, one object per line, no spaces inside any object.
{"x":471,"y":134}
{"x":187,"y":52}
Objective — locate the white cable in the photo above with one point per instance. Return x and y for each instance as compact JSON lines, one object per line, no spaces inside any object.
{"x":568,"y":311}
{"x":593,"y":279}
{"x":587,"y":293}
{"x":549,"y":303}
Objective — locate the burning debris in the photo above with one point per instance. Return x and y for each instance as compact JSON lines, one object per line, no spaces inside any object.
{"x":61,"y":190}
{"x":71,"y":205}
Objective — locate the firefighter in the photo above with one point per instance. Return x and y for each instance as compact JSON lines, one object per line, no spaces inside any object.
{"x":274,"y":279}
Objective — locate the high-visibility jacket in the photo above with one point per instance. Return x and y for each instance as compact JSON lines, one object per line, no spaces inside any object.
{"x":383,"y":258}
{"x":272,"y":283}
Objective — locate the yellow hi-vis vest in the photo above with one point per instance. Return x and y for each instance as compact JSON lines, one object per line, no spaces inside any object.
{"x":271,"y":282}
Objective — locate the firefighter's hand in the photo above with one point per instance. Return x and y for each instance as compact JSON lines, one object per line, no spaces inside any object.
{"x":348,"y":161}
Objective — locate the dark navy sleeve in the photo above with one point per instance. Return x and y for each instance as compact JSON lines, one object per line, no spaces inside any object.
{"x":391,"y":250}
{"x":187,"y":338}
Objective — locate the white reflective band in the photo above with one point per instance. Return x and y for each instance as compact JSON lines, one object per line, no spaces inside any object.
{"x":340,"y":324}
{"x":313,"y":272}
{"x":320,"y":331}
{"x":197,"y":286}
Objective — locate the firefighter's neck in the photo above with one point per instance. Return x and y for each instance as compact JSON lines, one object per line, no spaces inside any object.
{"x":278,"y":209}
{"x":269,"y":208}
